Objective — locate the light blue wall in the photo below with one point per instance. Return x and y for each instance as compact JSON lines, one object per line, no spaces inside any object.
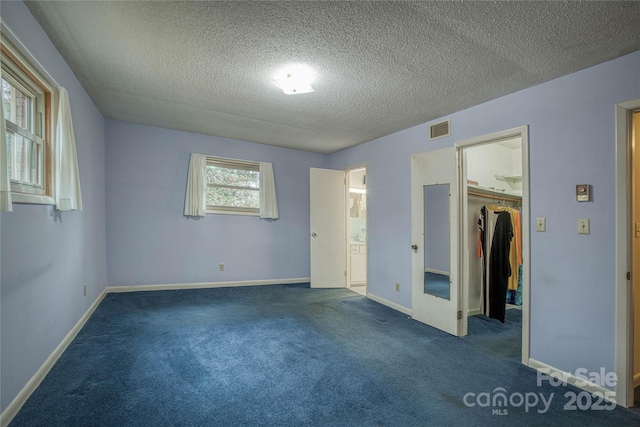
{"x":45,"y":259}
{"x":149,"y":241}
{"x":572,"y":133}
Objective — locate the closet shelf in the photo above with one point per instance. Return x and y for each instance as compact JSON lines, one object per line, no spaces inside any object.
{"x":511,"y":179}
{"x":492,"y":192}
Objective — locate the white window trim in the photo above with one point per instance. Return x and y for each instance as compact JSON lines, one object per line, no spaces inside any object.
{"x":232,"y":211}
{"x":237,"y":164}
{"x":32,"y":199}
{"x":18,"y":50}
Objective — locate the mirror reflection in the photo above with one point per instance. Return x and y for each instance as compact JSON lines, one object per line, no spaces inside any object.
{"x":436,"y":240}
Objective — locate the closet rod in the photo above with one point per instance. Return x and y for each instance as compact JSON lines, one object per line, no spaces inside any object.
{"x":497,"y":196}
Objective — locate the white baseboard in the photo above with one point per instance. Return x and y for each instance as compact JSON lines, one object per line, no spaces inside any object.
{"x":391,"y":304}
{"x":176,"y":286}
{"x":7,"y":415}
{"x":570,"y":378}
{"x":473,"y":311}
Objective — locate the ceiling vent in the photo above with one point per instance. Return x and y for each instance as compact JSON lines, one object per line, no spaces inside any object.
{"x":440,"y":130}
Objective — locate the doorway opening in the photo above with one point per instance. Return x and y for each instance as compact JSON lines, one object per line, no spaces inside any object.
{"x":494,"y":185}
{"x":356,"y":193}
{"x":495,"y":220}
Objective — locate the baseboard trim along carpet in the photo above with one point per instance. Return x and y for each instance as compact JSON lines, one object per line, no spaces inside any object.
{"x":176,"y":286}
{"x":572,"y":379}
{"x":16,"y":404}
{"x":390,"y":304}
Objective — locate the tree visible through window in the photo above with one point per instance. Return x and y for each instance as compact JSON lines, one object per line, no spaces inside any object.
{"x":233,"y":186}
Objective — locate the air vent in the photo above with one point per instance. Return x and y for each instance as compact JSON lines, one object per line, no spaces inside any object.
{"x":440,"y":130}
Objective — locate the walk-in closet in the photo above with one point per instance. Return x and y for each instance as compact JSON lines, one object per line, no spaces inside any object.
{"x":494,"y":197}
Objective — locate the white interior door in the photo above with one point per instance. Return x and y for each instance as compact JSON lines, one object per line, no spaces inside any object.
{"x":434,"y":224}
{"x":328,"y":228}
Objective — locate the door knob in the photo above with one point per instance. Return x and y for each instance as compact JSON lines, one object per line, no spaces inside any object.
{"x":314,"y":235}
{"x":414,"y":247}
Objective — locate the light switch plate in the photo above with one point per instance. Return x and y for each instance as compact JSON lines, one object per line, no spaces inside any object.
{"x":583,"y":226}
{"x":541,"y":224}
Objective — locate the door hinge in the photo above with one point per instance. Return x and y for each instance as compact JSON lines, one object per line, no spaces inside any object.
{"x":459,"y":314}
{"x":628,"y":275}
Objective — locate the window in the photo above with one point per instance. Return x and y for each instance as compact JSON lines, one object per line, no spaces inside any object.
{"x":233,"y":186}
{"x":26,"y":102}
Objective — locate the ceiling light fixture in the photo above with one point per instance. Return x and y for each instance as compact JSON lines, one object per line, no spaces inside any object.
{"x":295,"y":80}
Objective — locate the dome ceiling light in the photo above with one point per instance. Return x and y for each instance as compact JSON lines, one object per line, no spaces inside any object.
{"x":295,"y":80}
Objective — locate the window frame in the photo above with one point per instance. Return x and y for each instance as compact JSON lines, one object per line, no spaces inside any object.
{"x":234,"y":165}
{"x":18,"y":68}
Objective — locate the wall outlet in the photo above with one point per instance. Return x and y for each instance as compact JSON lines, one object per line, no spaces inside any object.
{"x":221,"y":267}
{"x":84,"y":290}
{"x":397,"y":287}
{"x":541,"y":224}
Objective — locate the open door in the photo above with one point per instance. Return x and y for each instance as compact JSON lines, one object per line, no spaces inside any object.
{"x":328,"y":228}
{"x":434,"y":224}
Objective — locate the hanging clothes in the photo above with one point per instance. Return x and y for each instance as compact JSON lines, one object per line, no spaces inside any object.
{"x":499,"y":258}
{"x":514,"y":294}
{"x":500,"y":266}
{"x":487,"y":224}
{"x":515,"y":255}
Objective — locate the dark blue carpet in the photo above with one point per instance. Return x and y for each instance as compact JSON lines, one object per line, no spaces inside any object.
{"x":286,"y":356}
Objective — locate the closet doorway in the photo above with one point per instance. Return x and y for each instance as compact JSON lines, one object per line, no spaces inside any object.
{"x":494,"y":209}
{"x":356,"y":193}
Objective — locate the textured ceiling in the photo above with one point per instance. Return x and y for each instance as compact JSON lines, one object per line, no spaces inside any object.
{"x":206,"y":67}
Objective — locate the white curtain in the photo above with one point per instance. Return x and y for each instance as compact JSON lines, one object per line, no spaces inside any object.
{"x":268,"y":202}
{"x":67,"y":178}
{"x":5,"y":184}
{"x":195,"y":203}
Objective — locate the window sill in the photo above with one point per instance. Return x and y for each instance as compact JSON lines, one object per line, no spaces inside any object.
{"x":32,"y":199}
{"x":221,"y":212}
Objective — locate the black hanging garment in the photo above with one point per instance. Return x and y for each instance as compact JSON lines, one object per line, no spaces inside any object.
{"x":484,"y":309}
{"x":499,"y":266}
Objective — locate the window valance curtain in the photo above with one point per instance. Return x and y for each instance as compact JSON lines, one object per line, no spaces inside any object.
{"x":195,"y":203}
{"x":5,"y":183}
{"x":268,"y":201}
{"x":68,"y":196}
